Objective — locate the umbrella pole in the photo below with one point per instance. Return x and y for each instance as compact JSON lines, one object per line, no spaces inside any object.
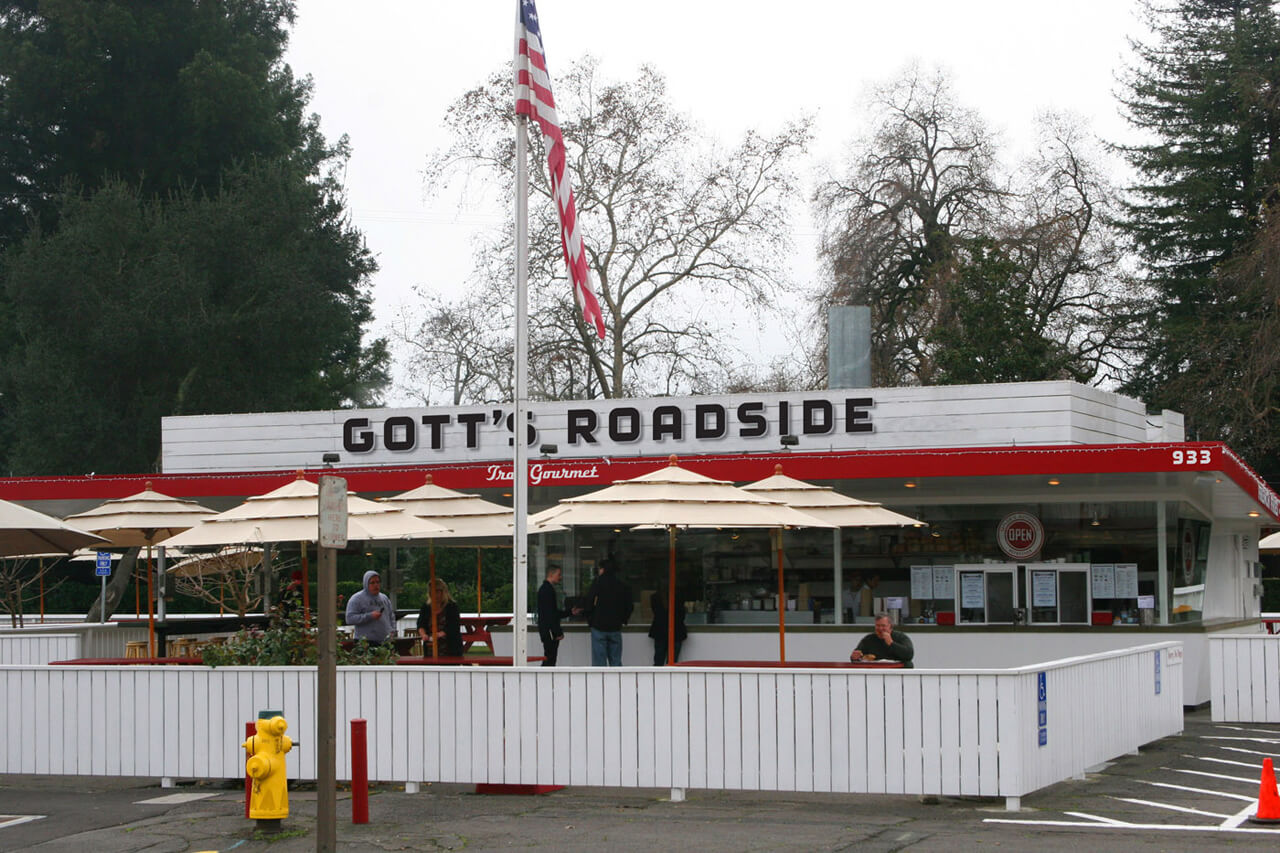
{"x":671,"y":595}
{"x":42,"y":590}
{"x":479,"y":596}
{"x":431,"y":594}
{"x":306,"y":588}
{"x":782,"y":603}
{"x":151,"y":618}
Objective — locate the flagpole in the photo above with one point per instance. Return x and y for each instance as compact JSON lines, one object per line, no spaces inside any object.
{"x":520,"y":466}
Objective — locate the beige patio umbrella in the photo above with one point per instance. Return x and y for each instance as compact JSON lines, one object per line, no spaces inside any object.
{"x":228,"y":559}
{"x":25,"y":531}
{"x":291,"y":514}
{"x":142,"y":520}
{"x":829,"y":505}
{"x":1269,"y":543}
{"x":468,"y":516}
{"x":673,"y":497}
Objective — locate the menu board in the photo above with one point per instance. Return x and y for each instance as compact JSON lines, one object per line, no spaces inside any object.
{"x":1126,"y":580}
{"x":972,"y":589}
{"x":922,"y":582}
{"x":944,"y":582}
{"x":1044,"y":589}
{"x":1103,"y":577}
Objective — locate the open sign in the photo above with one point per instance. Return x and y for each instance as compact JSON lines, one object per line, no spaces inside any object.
{"x":1020,"y":535}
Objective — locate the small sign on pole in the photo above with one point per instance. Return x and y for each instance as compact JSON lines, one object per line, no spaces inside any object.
{"x":102,"y":568}
{"x":333,"y":512}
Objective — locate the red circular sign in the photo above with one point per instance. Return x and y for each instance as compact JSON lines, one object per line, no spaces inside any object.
{"x":1020,"y":535}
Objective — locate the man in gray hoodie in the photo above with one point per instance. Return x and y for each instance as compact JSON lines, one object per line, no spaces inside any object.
{"x":370,"y":611}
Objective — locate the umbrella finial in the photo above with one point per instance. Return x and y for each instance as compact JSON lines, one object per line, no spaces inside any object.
{"x":777,"y":469}
{"x":428,"y":478}
{"x":148,"y":486}
{"x":300,"y":475}
{"x":672,"y":462}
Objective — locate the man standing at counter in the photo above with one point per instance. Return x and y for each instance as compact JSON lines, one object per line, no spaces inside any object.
{"x":885,"y":644}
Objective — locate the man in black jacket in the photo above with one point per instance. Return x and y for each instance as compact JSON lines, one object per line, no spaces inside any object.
{"x":549,"y":613}
{"x":608,"y":609}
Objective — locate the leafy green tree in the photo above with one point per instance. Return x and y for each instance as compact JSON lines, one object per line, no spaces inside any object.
{"x":1204,"y":90}
{"x":177,"y":239}
{"x":135,"y":309}
{"x":159,"y":93}
{"x":994,"y":334}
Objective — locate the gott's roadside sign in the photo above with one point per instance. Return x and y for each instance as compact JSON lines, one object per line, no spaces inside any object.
{"x":1020,"y":535}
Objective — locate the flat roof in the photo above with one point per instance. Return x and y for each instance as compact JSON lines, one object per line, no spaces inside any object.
{"x":1207,"y":473}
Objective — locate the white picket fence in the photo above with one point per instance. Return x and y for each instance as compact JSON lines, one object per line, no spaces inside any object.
{"x":1244,"y":678}
{"x":956,"y":732}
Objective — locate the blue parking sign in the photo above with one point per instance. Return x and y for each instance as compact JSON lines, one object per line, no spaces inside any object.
{"x":102,"y":566}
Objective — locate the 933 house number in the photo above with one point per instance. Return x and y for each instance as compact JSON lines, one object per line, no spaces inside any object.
{"x":1191,"y":457}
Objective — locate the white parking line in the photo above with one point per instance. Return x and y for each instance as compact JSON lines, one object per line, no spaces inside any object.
{"x":1271,"y":754}
{"x":1172,"y":808}
{"x":1249,"y":739}
{"x":1211,"y":775}
{"x":1196,"y":790}
{"x":173,"y":799}
{"x":1081,"y":824}
{"x":1241,"y":816}
{"x":7,"y":820}
{"x":1098,"y":818}
{"x":1252,"y":765}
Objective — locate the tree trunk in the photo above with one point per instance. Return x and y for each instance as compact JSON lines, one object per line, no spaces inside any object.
{"x":116,"y":587}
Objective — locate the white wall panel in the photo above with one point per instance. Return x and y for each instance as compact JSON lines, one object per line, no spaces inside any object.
{"x":895,"y":731}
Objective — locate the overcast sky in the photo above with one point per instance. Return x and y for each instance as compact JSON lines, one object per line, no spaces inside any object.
{"x":386,"y":70}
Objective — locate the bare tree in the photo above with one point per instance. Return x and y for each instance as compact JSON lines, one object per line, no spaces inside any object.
{"x":20,"y":582}
{"x":458,"y":351}
{"x":920,"y":185}
{"x":230,"y":579}
{"x":972,"y":273}
{"x":673,"y":224}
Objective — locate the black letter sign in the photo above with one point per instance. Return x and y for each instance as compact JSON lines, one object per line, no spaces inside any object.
{"x":356,"y":435}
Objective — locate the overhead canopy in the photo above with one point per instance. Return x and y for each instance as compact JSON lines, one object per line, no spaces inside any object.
{"x":291,"y":514}
{"x":672,"y":497}
{"x":141,"y":519}
{"x":827,"y":504}
{"x":25,"y":531}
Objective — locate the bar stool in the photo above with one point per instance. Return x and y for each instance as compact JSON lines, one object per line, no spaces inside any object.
{"x":135,"y":649}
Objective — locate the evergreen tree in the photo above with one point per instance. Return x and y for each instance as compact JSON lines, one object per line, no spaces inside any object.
{"x":1206,"y":89}
{"x":177,"y":242}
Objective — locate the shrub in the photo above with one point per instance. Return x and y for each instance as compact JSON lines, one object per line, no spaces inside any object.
{"x":289,"y":640}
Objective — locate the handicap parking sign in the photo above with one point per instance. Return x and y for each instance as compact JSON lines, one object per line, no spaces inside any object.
{"x":102,"y":566}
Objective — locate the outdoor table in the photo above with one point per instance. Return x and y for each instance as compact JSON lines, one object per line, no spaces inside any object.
{"x":480,"y":660}
{"x":792,"y":664}
{"x":1272,"y":625}
{"x":203,"y":625}
{"x":475,"y":629}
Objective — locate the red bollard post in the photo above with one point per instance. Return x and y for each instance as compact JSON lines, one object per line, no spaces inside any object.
{"x":359,"y":771}
{"x":250,"y":729}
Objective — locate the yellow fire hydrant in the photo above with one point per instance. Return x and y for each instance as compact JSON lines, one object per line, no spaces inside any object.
{"x":269,"y":799}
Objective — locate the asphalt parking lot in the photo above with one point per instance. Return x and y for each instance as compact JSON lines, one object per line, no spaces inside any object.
{"x":1180,"y":793}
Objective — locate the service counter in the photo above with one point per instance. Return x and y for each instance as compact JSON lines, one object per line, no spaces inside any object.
{"x":937,"y":646}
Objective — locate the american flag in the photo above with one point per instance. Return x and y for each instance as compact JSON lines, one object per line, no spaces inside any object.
{"x":533,"y":99}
